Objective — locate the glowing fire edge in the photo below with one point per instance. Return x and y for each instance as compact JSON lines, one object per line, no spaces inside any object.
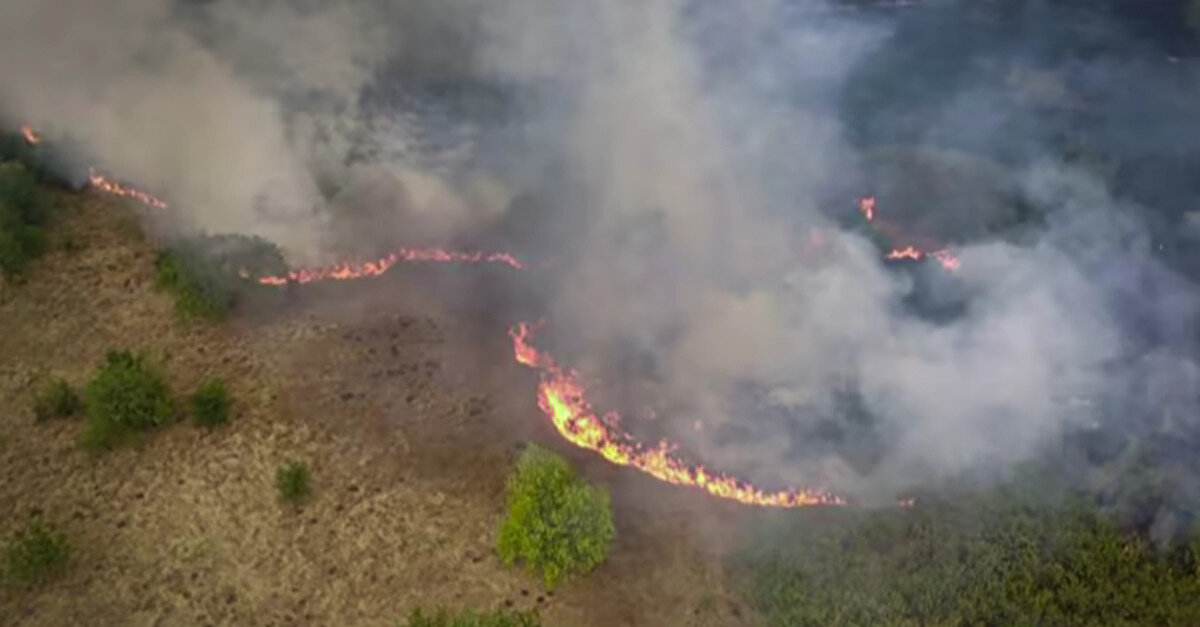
{"x":561,"y":397}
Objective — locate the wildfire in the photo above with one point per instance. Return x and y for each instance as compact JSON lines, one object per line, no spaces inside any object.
{"x":346,"y":271}
{"x":867,"y":206}
{"x":101,"y":183}
{"x":98,"y":180}
{"x":944,"y":257}
{"x":905,"y":253}
{"x":31,"y":135}
{"x":561,"y":397}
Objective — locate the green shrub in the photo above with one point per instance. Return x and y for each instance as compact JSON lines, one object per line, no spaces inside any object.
{"x":556,"y":524}
{"x":197,"y":292}
{"x":443,"y":617}
{"x":203,"y":273}
{"x":993,"y":559}
{"x":22,"y":214}
{"x":126,"y":396}
{"x":35,"y":553}
{"x":210,"y":404}
{"x":293,"y":481}
{"x":56,"y":400}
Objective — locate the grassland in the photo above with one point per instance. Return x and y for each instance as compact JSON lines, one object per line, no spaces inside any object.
{"x":407,"y":436}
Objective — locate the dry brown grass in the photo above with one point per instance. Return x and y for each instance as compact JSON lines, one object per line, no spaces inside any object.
{"x":408,"y":447}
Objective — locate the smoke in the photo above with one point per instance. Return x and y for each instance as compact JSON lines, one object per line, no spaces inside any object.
{"x":243,"y":113}
{"x":675,"y":160}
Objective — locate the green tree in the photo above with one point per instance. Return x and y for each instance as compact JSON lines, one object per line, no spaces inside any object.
{"x":556,"y":524}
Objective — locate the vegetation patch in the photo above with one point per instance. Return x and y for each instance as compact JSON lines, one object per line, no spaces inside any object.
{"x":207,"y":275}
{"x":126,"y":396}
{"x":57,"y":400}
{"x":994,"y":559}
{"x":23,"y":210}
{"x":210,"y":404}
{"x":556,"y":524}
{"x":294,"y":481}
{"x":35,"y":553}
{"x":443,"y":617}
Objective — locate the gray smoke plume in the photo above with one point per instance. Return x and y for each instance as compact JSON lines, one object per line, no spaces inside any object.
{"x":677,"y":160}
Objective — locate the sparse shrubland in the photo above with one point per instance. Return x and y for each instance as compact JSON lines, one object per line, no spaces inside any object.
{"x":35,"y":553}
{"x":996,"y":559}
{"x":210,"y":404}
{"x":443,"y":617}
{"x":23,"y":211}
{"x":556,"y":525}
{"x":56,"y":400}
{"x":202,"y":273}
{"x":294,"y":481}
{"x":125,"y":397}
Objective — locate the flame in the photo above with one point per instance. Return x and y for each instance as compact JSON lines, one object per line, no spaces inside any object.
{"x":867,"y":207}
{"x":561,"y":397}
{"x":905,"y":253}
{"x":97,"y":180}
{"x":947,"y":259}
{"x":349,"y":270}
{"x":112,"y":187}
{"x":31,"y":135}
{"x":944,"y":257}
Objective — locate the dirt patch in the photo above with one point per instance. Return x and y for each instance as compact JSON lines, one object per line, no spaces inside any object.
{"x":408,"y":421}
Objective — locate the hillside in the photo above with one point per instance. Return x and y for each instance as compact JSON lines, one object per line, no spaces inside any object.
{"x":367,"y":382}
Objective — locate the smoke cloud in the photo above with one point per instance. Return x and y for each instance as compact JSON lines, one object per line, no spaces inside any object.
{"x":696,"y":151}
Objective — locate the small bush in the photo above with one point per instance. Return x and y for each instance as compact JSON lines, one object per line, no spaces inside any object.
{"x":198,"y":294}
{"x":293,"y":481}
{"x":35,"y":553}
{"x":202,"y":273}
{"x":125,"y":396}
{"x":210,"y":404}
{"x":22,"y":214}
{"x":56,"y":400}
{"x":556,"y":525}
{"x":443,"y":617}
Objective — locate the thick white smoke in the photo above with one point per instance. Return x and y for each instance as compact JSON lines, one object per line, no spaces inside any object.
{"x":699,"y":186}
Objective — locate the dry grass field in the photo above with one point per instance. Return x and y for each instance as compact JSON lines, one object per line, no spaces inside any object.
{"x":408,"y":423}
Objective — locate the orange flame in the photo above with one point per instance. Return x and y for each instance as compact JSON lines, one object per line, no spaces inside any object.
{"x":905,"y":253}
{"x":346,"y":271}
{"x":112,"y":187}
{"x":561,"y":397}
{"x":31,"y":135}
{"x":867,"y":207}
